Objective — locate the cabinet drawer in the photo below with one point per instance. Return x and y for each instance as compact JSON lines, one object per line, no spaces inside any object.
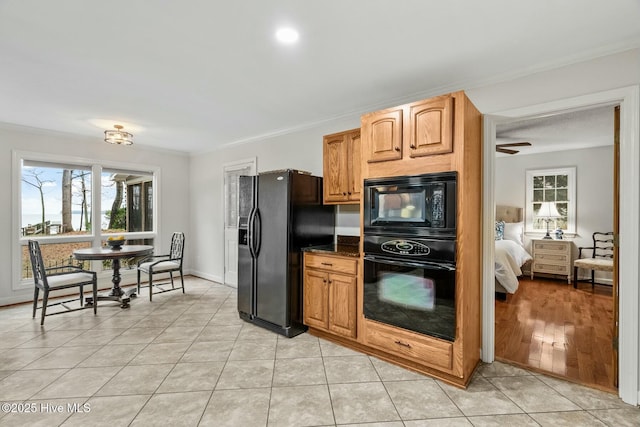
{"x":542,"y":267}
{"x":336,"y":264}
{"x":424,"y":350}
{"x":550,"y":247}
{"x":552,"y":258}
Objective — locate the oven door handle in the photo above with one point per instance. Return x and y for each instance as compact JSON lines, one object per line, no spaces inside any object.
{"x":429,"y":265}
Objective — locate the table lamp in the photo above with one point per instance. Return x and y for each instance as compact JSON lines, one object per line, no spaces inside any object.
{"x":547,"y":212}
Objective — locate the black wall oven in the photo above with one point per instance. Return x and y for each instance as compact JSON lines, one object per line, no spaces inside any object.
{"x":410,"y":283}
{"x":410,"y":252}
{"x":423,"y":205}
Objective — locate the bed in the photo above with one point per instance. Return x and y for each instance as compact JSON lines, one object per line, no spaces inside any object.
{"x":510,"y":252}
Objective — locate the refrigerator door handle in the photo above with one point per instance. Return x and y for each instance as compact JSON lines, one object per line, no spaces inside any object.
{"x":251,"y":232}
{"x":258,"y":232}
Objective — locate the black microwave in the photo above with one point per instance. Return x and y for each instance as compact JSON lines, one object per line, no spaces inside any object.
{"x":423,"y":205}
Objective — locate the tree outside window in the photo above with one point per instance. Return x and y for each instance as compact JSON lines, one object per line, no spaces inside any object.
{"x":57,"y":207}
{"x":127,"y":198}
{"x":56,"y":199}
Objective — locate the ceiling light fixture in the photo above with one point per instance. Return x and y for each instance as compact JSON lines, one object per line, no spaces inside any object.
{"x":287,"y":35}
{"x":118,"y":136}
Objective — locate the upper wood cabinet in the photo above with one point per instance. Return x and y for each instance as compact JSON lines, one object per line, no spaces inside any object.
{"x":341,"y":167}
{"x":383,"y":130}
{"x":430,"y":129}
{"x":414,"y":130}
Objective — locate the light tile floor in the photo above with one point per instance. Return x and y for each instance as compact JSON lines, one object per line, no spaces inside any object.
{"x":187,"y":360}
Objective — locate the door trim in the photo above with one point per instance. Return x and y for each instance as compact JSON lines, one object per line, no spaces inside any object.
{"x":251,"y":162}
{"x":629,"y":100}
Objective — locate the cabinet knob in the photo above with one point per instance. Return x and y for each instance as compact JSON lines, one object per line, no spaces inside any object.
{"x":324,"y":280}
{"x":396,"y":148}
{"x":330,"y":281}
{"x":349,"y":192}
{"x":413,"y":146}
{"x":344,"y":194}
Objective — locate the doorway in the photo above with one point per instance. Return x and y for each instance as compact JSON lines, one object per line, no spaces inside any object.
{"x":546,"y":324}
{"x":629,"y":99}
{"x":232,"y":172}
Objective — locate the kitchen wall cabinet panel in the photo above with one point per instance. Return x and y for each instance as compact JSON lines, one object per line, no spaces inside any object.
{"x":412,"y":138}
{"x":342,"y":168}
{"x":430,"y":129}
{"x":383,"y":131}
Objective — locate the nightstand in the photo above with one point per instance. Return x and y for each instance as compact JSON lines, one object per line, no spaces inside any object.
{"x":552,"y":257}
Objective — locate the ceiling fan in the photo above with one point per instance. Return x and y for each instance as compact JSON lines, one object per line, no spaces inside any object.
{"x":501,"y":148}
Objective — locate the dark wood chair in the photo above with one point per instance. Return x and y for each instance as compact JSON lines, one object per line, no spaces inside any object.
{"x":169,"y":263}
{"x":601,"y":256}
{"x":57,"y":278}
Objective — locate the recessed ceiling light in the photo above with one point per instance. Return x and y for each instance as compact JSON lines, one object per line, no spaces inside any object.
{"x":287,"y":35}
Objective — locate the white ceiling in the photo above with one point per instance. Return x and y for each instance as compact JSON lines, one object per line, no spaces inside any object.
{"x":586,"y":128}
{"x":195,"y":75}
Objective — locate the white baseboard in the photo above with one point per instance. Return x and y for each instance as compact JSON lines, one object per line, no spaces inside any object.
{"x":206,"y":276}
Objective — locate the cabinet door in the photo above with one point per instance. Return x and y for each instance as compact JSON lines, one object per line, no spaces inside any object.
{"x":430,"y":127}
{"x":335,"y":169}
{"x":316,"y":312}
{"x":342,"y":304}
{"x":354,"y":157}
{"x":383,"y":134}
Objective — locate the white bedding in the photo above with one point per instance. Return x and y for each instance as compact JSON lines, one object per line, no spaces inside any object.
{"x":509,"y":256}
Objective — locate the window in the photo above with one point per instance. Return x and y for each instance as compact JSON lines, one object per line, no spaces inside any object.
{"x":556,"y":186}
{"x":127,"y":200}
{"x":69,"y":203}
{"x":56,"y":199}
{"x":231,"y":188}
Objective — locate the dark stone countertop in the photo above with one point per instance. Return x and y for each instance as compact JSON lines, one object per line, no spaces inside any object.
{"x":336,"y":249}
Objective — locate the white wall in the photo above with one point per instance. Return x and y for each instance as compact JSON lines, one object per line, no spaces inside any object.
{"x":594,"y":185}
{"x":301,"y":150}
{"x":173,"y":198}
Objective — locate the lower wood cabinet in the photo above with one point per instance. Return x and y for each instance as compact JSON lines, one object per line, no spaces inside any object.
{"x":419,"y":348}
{"x":330,"y":286}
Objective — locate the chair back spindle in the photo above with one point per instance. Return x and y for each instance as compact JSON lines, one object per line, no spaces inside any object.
{"x":37,"y":265}
{"x":177,"y":246}
{"x":603,"y":245}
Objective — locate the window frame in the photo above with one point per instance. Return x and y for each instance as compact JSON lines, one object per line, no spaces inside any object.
{"x":570,"y":171}
{"x":96,"y":235}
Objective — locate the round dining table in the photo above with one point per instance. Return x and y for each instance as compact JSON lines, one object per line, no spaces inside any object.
{"x":114,"y":254}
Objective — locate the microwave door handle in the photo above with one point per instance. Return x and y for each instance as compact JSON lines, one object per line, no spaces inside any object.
{"x":430,"y":265}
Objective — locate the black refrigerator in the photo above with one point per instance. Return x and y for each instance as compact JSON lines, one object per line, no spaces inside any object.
{"x":280,"y":213}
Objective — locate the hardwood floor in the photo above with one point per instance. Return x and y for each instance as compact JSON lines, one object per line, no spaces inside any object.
{"x":549,"y":326}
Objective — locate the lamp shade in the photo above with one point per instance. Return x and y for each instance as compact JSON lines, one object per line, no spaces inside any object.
{"x":548,"y":210}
